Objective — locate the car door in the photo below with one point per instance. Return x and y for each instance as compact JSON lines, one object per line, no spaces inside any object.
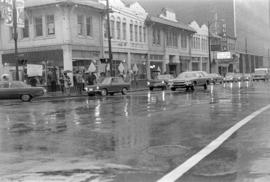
{"x":115,"y":85}
{"x":200,"y":78}
{"x":4,"y":90}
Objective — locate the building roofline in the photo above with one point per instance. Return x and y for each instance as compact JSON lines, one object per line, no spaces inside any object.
{"x":178,"y":25}
{"x":91,"y":4}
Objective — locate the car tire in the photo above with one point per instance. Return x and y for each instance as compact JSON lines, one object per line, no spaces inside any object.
{"x":163,"y":88}
{"x":124,"y":91}
{"x":111,"y":93}
{"x":26,"y":98}
{"x":104,"y":92}
{"x":173,"y":89}
{"x":187,"y":88}
{"x":151,"y":88}
{"x":91,"y":94}
{"x":205,"y":86}
{"x":192,"y":88}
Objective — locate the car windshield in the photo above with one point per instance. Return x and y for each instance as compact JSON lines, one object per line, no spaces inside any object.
{"x":230,"y":74}
{"x":187,"y":75}
{"x":164,"y":77}
{"x":106,"y":81}
{"x":203,"y":73}
{"x":260,"y":72}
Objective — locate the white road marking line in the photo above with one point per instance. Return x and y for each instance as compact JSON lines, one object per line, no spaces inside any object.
{"x":195,"y":159}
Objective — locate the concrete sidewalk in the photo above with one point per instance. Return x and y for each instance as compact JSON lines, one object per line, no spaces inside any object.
{"x":59,"y":94}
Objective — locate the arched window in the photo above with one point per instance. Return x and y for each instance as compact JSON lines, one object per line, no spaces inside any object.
{"x":112,"y":27}
{"x":136,"y":31}
{"x":118,"y":28}
{"x":105,"y":25}
{"x":140,"y":32}
{"x":124,"y":29}
{"x":131,"y":30}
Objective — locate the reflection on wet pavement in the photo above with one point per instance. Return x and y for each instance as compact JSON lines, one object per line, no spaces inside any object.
{"x":153,"y":131}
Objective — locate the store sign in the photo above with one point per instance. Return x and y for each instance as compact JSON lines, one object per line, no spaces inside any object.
{"x":34,"y":70}
{"x":224,"y":55}
{"x":7,"y":12}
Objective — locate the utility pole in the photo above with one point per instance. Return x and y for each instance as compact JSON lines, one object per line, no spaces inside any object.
{"x":268,"y":58}
{"x":209,"y":47}
{"x":246,"y":56}
{"x":109,"y":35}
{"x":15,"y":36}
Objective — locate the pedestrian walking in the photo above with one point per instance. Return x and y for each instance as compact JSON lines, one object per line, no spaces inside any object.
{"x":92,"y":79}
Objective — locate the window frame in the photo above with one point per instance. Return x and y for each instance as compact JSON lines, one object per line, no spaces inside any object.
{"x":89,"y":26}
{"x":48,"y":22}
{"x":24,"y":29}
{"x":40,"y":28}
{"x":80,"y":25}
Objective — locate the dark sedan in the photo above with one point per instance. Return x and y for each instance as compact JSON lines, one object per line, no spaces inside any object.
{"x":108,"y":85}
{"x":162,"y":81}
{"x":19,"y":90}
{"x":188,"y":80}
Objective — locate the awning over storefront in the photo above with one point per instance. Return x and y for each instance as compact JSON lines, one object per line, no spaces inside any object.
{"x":53,"y":57}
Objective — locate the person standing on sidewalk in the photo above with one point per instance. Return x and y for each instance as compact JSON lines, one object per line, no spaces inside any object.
{"x":67,"y":83}
{"x":80,"y":82}
{"x":62,"y":83}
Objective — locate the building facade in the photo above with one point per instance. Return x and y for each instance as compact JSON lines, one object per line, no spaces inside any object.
{"x":63,"y":35}
{"x":199,"y":48}
{"x":169,"y":43}
{"x":247,"y":23}
{"x":128,"y":38}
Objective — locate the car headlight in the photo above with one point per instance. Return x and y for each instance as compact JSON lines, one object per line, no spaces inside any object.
{"x":162,"y":82}
{"x":187,"y":82}
{"x":148,"y":83}
{"x":97,"y":88}
{"x":86,"y":89}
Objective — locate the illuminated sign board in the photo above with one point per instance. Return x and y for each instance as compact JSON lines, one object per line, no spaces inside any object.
{"x":224,"y":55}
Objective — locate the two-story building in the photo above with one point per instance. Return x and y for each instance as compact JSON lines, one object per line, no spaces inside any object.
{"x":169,"y":43}
{"x":63,"y":35}
{"x":128,"y":38}
{"x":199,"y":48}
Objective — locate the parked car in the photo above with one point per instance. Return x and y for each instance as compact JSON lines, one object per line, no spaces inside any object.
{"x":261,"y":74}
{"x":206,"y":75}
{"x":188,"y":80}
{"x":216,"y":78}
{"x":108,"y":85}
{"x":19,"y":90}
{"x":230,"y":77}
{"x":162,"y":81}
{"x":246,"y":77}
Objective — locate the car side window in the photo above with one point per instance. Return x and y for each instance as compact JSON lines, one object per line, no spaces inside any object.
{"x":4,"y":85}
{"x":114,"y":80}
{"x":17,"y":85}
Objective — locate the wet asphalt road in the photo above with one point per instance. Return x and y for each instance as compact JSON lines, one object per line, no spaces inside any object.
{"x":138,"y":137}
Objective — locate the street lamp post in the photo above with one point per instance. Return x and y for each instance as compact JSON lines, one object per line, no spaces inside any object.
{"x":109,"y":35}
{"x":209,"y":47}
{"x":15,"y":36}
